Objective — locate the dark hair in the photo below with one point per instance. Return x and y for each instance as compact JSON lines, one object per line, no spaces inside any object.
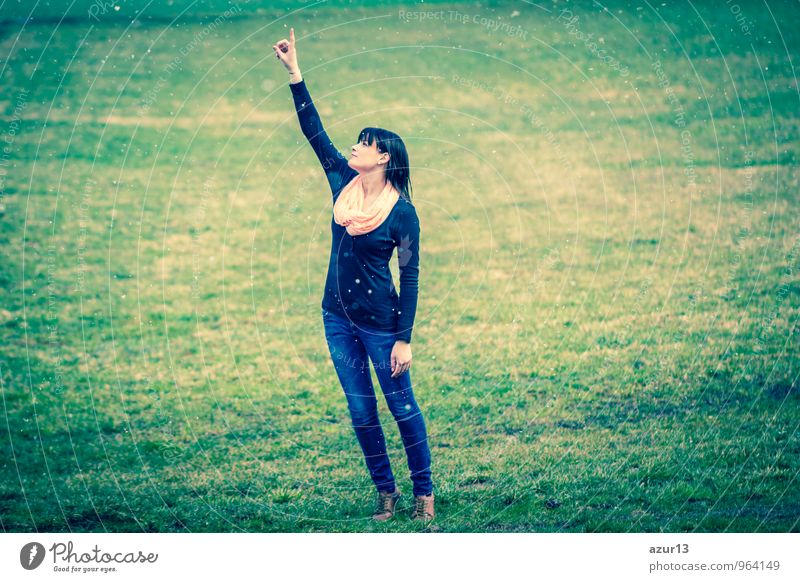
{"x":397,"y":171}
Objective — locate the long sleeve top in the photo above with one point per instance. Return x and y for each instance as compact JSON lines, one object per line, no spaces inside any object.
{"x":359,"y":283}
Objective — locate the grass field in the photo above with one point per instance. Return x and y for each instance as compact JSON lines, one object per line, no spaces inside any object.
{"x":606,"y":338}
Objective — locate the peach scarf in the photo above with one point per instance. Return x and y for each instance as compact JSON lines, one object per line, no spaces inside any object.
{"x":349,"y":208}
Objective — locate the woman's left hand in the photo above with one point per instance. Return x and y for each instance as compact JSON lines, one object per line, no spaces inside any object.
{"x":401,"y":358}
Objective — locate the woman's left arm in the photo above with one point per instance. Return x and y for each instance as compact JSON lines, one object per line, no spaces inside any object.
{"x":407,"y":239}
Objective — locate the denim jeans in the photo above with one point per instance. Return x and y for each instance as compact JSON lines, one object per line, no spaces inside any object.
{"x":351,"y":346}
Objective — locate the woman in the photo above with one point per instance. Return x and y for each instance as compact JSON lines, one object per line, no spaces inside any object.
{"x":363,"y":316}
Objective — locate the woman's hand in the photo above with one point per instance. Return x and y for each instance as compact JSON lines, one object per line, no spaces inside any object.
{"x":286,"y":53}
{"x":401,"y":358}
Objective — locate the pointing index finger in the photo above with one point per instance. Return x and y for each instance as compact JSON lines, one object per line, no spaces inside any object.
{"x":291,"y":35}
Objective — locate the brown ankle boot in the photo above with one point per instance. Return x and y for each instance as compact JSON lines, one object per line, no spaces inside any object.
{"x":386,"y":504}
{"x":423,"y":508}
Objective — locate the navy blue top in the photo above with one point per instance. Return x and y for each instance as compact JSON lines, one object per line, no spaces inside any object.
{"x":359,"y":284}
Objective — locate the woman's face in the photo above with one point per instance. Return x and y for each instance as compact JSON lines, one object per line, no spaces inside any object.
{"x":366,"y":158}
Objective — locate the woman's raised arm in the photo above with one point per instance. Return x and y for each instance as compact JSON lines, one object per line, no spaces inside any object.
{"x":333,"y":162}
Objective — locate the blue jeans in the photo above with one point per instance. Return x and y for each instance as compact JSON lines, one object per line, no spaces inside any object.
{"x":351,"y":346}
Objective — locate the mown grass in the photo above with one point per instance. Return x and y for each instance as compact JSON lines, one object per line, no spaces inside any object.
{"x":599,"y":345}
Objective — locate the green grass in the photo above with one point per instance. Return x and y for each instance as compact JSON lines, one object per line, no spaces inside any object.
{"x":599,"y":346}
